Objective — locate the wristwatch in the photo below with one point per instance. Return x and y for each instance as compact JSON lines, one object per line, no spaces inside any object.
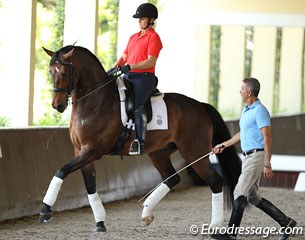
{"x":267,"y":165}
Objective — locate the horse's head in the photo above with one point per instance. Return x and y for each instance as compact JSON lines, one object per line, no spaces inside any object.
{"x":63,"y":76}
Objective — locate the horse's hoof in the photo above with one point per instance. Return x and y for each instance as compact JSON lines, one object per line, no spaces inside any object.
{"x":148,"y":220}
{"x":45,"y":217}
{"x":100,"y":227}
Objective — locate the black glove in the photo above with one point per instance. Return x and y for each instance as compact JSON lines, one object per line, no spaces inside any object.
{"x":125,"y":68}
{"x":117,"y":71}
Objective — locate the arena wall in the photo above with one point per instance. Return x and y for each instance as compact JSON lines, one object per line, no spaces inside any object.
{"x":288,"y":134}
{"x":30,"y":157}
{"x":288,"y":149}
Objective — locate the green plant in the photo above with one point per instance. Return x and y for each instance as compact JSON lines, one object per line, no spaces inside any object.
{"x":249,"y":33}
{"x":49,"y":34}
{"x":108,"y":28}
{"x":303,"y":76}
{"x":4,"y":122}
{"x":52,"y":119}
{"x":214,"y":67}
{"x":276,"y":84}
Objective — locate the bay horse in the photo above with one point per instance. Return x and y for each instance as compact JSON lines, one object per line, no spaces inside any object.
{"x":193,"y":129}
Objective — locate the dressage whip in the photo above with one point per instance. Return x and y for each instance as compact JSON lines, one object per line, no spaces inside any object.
{"x":62,"y":121}
{"x":197,"y":160}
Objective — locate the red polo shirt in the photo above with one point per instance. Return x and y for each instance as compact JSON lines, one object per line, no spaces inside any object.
{"x":139,"y":48}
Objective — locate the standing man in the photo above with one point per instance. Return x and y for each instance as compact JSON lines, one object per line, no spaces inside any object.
{"x":255,"y":138}
{"x":138,"y":63}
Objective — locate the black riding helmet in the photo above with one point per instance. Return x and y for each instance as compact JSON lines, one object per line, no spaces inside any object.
{"x":146,"y":10}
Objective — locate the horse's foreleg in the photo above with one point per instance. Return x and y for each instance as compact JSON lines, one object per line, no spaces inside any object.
{"x":95,"y":202}
{"x":79,"y":160}
{"x":46,"y":214}
{"x":166,"y":169}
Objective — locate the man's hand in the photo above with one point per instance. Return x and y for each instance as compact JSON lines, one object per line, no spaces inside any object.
{"x":268,"y":173}
{"x":219,"y":148}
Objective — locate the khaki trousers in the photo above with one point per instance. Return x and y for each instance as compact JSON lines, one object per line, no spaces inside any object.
{"x":248,"y":182}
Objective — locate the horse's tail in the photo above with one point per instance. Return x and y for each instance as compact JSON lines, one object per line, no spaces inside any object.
{"x":229,"y":160}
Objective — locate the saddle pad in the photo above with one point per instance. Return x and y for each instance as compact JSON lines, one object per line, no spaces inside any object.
{"x":159,"y":119}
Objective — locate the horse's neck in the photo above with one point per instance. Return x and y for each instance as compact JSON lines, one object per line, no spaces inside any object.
{"x":91,"y":78}
{"x":98,"y":100}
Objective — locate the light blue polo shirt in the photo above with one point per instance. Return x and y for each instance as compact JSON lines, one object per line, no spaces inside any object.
{"x":253,"y":118}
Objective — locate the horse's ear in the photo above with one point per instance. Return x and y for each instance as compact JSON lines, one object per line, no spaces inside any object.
{"x":49,"y":52}
{"x":67,"y":55}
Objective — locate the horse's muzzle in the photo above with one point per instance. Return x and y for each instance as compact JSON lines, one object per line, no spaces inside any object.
{"x":60,"y":104}
{"x":60,"y":108}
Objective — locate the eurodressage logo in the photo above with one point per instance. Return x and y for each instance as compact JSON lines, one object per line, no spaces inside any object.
{"x":159,"y":120}
{"x":264,"y":232}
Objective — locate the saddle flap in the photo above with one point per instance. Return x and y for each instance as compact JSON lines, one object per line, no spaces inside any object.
{"x":155,"y":107}
{"x":129,"y":98}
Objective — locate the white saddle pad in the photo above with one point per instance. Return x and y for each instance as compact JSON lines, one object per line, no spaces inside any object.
{"x":159,"y":119}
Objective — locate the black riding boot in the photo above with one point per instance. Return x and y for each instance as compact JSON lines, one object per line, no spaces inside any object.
{"x":278,"y":216}
{"x":137,"y":146}
{"x":235,"y":219}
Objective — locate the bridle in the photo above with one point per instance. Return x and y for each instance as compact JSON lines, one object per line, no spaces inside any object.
{"x":73,"y":79}
{"x":72,"y":74}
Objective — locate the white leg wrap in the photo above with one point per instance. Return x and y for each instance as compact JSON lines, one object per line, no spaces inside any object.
{"x":97,"y":207}
{"x":53,"y":191}
{"x":217,"y":209}
{"x":153,"y":199}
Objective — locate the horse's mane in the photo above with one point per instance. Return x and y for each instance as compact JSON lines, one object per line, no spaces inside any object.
{"x":57,"y":55}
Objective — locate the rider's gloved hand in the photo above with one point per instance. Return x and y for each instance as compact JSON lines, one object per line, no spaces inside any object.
{"x":125,"y":68}
{"x":117,"y":71}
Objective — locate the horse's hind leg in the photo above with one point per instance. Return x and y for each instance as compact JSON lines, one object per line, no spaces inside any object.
{"x":96,"y":204}
{"x":162,"y":163}
{"x":205,"y":170}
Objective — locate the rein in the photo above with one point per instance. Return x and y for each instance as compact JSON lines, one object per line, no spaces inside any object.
{"x":94,"y":90}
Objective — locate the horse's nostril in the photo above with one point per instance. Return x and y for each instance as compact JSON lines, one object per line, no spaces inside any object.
{"x":60,"y":108}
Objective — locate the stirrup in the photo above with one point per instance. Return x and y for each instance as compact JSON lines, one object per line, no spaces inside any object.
{"x":136,"y":148}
